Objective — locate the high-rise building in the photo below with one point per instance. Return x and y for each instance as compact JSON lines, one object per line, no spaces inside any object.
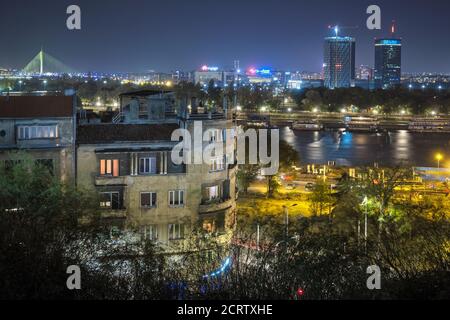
{"x":339,"y":62}
{"x":388,"y":62}
{"x":365,"y":73}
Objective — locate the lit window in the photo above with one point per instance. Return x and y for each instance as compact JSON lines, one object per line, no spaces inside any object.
{"x":148,"y":200}
{"x":213,"y":192}
{"x":109,"y":167}
{"x":110,"y":200}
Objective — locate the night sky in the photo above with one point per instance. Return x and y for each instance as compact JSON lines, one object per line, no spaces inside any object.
{"x":164,"y":35}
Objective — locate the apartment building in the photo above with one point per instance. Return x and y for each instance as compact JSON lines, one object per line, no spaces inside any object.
{"x":44,"y":127}
{"x":129,"y":164}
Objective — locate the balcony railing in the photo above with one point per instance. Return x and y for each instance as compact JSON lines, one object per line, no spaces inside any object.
{"x":215,"y":205}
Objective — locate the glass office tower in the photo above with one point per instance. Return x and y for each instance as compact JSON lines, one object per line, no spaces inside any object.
{"x":339,"y":62}
{"x":388,"y":63}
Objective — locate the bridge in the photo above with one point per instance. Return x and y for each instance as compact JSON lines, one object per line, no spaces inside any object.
{"x":43,"y":63}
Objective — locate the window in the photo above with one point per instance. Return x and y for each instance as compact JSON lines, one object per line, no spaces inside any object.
{"x":110,"y":200}
{"x":150,"y":232}
{"x":213,"y":192}
{"x":215,"y":135}
{"x":148,"y":199}
{"x":37,"y":132}
{"x":147,"y":165}
{"x":217,"y":164}
{"x":176,"y":231}
{"x":109,"y":168}
{"x":176,"y":198}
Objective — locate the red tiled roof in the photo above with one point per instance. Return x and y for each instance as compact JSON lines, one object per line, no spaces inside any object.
{"x":36,"y":106}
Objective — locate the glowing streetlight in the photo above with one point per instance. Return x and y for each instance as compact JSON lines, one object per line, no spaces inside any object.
{"x":315,"y":110}
{"x":343,"y":110}
{"x":439,"y":158}
{"x":289,"y":109}
{"x":239,"y":108}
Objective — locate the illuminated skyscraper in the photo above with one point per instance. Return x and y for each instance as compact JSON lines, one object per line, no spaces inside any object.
{"x":388,"y":62}
{"x":339,"y":62}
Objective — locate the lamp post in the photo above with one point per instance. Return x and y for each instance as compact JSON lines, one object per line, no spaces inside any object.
{"x":286,"y":212}
{"x":365,"y":204}
{"x":439,"y":158}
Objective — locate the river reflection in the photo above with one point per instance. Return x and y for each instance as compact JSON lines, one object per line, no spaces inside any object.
{"x":347,"y":149}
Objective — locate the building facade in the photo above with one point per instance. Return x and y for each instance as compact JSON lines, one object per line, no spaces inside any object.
{"x":388,"y":63}
{"x":44,"y":127}
{"x":339,"y":62}
{"x":129,"y":164}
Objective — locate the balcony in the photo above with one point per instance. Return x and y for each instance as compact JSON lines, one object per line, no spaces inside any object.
{"x":206,"y":116}
{"x":209,"y":206}
{"x":113,"y":214}
{"x":110,"y":181}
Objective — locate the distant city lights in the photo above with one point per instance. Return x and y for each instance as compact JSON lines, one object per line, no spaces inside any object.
{"x":206,"y":68}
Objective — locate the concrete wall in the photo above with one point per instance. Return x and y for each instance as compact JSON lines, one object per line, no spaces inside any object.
{"x":60,"y":150}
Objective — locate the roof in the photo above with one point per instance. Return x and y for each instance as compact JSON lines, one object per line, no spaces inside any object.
{"x":36,"y":106}
{"x":110,"y":133}
{"x":145,"y":93}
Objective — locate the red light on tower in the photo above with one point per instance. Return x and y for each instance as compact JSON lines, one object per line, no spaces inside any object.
{"x":300,"y":292}
{"x":393,"y":28}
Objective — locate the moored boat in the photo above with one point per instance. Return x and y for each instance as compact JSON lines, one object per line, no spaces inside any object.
{"x":307,"y":125}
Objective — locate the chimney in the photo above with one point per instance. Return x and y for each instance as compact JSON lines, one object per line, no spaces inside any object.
{"x":194,"y":105}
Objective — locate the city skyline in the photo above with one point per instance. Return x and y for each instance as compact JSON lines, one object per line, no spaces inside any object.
{"x":117,"y":38}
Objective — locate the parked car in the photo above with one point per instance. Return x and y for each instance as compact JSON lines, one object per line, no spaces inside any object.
{"x":310,"y":186}
{"x":290,"y":186}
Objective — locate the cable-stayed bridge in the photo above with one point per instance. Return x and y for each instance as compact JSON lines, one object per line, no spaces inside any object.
{"x":43,"y":63}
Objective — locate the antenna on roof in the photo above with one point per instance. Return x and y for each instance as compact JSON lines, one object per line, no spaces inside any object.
{"x":393,"y":28}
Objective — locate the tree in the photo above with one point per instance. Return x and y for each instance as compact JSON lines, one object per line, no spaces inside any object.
{"x":321,"y":199}
{"x":246,"y":175}
{"x":39,"y":218}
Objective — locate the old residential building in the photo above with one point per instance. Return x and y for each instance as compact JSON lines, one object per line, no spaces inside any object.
{"x":129,"y":164}
{"x":44,"y":127}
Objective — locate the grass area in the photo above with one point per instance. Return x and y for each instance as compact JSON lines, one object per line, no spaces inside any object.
{"x":274,"y":207}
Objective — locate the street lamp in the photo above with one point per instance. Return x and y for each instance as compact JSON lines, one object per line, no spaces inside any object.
{"x":439,"y":158}
{"x":365,"y":203}
{"x":286,"y":212}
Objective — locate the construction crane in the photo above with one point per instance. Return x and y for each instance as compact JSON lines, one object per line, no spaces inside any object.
{"x":337,"y":28}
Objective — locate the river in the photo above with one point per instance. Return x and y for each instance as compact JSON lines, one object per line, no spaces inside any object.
{"x":359,"y":149}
